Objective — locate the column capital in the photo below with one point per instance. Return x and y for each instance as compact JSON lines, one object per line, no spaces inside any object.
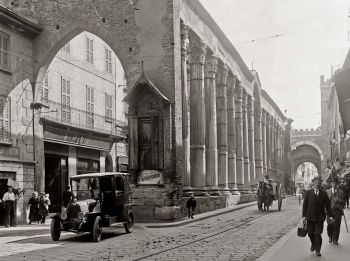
{"x":244,"y":99}
{"x":211,"y":66}
{"x":231,"y":85}
{"x":222,"y":74}
{"x":250,"y":103}
{"x":239,"y":90}
{"x":198,"y":51}
{"x":184,"y":39}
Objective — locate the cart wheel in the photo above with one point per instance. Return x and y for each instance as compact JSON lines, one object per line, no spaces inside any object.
{"x":97,"y":230}
{"x":55,"y":229}
{"x":279,"y":204}
{"x":130,"y":225}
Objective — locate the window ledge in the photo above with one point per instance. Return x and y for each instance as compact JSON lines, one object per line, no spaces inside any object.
{"x":5,"y":143}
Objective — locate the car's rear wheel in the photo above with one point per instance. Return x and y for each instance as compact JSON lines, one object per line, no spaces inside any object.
{"x":129,"y":226}
{"x":97,"y":230}
{"x":55,"y":229}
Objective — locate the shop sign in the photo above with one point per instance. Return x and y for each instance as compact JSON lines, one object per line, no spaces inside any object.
{"x":150,"y":177}
{"x":75,"y":138}
{"x":9,"y":151}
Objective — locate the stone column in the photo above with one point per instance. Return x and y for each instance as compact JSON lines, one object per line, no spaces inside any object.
{"x":245,"y":139}
{"x":239,"y":134}
{"x":197,"y":109}
{"x":221,"y":107}
{"x":211,"y":130}
{"x":268,"y":144}
{"x":258,"y":140}
{"x":251,"y":144}
{"x":264,"y":141}
{"x":278,"y":151}
{"x":231,"y":136}
{"x":186,"y":182}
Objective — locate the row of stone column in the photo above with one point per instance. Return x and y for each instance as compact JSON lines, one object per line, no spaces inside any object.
{"x":228,"y":140}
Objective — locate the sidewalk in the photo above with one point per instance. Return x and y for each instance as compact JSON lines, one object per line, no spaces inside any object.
{"x":291,"y":247}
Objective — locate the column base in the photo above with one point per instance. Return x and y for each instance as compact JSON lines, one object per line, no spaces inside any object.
{"x":187,"y":192}
{"x":224,"y":190}
{"x":200,"y":192}
{"x":234,"y":190}
{"x":214,"y":191}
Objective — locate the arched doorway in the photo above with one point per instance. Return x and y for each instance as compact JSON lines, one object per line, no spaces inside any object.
{"x":303,"y":175}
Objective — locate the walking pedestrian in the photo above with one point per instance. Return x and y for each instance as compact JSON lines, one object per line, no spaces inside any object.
{"x":34,"y":208}
{"x":315,"y":204}
{"x":335,"y":195}
{"x":9,"y":200}
{"x":44,"y":206}
{"x":191,"y":206}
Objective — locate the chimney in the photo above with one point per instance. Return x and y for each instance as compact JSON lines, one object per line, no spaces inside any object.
{"x":321,"y":80}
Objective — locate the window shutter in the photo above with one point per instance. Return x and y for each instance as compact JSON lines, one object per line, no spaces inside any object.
{"x":161,"y":142}
{"x":133,"y":143}
{"x":4,"y":49}
{"x":155,"y":142}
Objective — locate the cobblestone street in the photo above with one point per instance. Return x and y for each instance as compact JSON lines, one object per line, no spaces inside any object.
{"x":244,"y":234}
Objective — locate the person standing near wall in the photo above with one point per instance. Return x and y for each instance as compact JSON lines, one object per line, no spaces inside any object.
{"x":9,"y":200}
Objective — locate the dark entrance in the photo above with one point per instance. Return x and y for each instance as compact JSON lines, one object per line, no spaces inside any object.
{"x":4,"y":176}
{"x":56,"y":179}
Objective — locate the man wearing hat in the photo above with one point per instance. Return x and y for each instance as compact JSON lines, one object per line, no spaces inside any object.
{"x":316,"y":202}
{"x":9,"y":200}
{"x":335,"y":195}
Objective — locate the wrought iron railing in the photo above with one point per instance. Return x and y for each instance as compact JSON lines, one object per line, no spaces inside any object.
{"x":82,"y":119}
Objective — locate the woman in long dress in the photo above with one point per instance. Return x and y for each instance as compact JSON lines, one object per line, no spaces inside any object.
{"x":34,"y":208}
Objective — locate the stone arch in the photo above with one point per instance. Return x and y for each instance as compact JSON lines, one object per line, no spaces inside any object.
{"x":306,"y":151}
{"x":46,"y":54}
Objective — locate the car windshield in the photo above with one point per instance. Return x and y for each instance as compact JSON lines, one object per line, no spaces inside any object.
{"x":85,"y":188}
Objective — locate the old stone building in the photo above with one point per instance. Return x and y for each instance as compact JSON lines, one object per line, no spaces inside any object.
{"x":199,"y":121}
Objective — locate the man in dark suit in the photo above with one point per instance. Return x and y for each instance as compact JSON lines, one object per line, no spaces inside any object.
{"x":336,"y":197}
{"x":315,"y":204}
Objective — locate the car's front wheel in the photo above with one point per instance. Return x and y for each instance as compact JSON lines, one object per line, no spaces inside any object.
{"x":55,"y":229}
{"x":97,"y":230}
{"x":129,"y":226}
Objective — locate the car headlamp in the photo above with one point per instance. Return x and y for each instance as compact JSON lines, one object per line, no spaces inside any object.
{"x":81,"y":215}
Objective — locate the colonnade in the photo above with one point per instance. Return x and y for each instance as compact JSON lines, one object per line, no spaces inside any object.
{"x":230,"y":141}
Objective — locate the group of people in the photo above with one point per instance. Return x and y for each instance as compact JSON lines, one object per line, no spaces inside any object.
{"x":322,"y":205}
{"x":265,"y":193}
{"x":38,"y":207}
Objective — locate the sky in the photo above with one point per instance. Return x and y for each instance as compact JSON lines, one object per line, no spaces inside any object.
{"x":314,"y":37}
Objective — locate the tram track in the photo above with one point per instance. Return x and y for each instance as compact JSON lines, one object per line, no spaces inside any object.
{"x":241,"y":224}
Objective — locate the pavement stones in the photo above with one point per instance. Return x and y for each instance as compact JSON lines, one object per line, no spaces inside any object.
{"x":244,"y":234}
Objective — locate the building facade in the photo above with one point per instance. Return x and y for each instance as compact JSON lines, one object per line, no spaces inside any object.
{"x":198,"y":119}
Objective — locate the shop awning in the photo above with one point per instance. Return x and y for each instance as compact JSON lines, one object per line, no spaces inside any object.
{"x":342,"y":85}
{"x":144,"y":82}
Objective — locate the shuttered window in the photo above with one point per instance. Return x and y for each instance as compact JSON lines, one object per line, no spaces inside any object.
{"x":89,"y":107}
{"x":65,"y":97}
{"x":109,"y":105}
{"x":108,"y":62}
{"x":5,"y":119}
{"x":4,"y":51}
{"x":89,"y":50}
{"x":45,"y":89}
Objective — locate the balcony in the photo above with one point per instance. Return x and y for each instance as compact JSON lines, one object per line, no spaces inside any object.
{"x":82,"y":120}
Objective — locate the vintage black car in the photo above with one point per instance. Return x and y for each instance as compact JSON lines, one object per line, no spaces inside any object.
{"x":101,"y":200}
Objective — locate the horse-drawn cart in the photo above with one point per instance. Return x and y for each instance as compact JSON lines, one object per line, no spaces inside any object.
{"x":267,"y":193}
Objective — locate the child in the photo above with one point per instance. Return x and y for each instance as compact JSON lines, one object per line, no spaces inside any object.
{"x":191,"y":205}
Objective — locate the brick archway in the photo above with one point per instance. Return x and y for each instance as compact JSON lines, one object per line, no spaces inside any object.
{"x":306,"y":152}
